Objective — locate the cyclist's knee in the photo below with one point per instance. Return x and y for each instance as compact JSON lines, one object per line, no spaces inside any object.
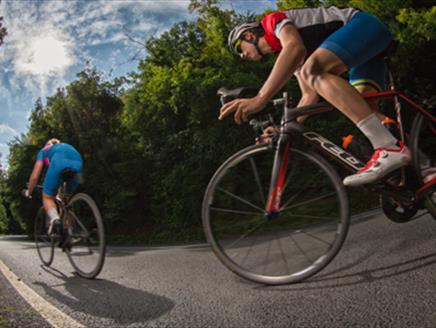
{"x":311,"y":71}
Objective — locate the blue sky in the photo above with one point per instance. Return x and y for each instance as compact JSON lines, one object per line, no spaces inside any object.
{"x":48,"y":42}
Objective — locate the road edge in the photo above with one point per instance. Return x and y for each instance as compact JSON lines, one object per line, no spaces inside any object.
{"x":53,"y":315}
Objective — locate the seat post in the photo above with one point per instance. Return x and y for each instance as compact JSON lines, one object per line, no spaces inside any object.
{"x":391,"y":81}
{"x":396,"y":99}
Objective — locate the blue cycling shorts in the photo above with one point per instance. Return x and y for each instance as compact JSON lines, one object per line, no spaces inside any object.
{"x":358,"y":44}
{"x":58,"y":164}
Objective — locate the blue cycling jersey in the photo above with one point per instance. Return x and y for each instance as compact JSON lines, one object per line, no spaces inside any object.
{"x":68,"y":152}
{"x":57,"y":158}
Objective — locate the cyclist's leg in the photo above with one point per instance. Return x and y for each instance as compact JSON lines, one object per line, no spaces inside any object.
{"x":355,"y":44}
{"x":369,"y":78}
{"x":51,"y":184}
{"x":342,"y":95}
{"x":362,"y":39}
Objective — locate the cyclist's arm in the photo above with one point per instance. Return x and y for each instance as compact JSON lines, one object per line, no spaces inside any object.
{"x":290,"y":58}
{"x":33,"y":180}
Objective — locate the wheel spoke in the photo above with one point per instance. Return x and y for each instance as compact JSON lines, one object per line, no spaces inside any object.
{"x":226,"y":210}
{"x":317,"y":238}
{"x":248,"y":252}
{"x":241,"y":199}
{"x":309,"y":260}
{"x":300,"y":191}
{"x":246,"y":234}
{"x":309,"y":216}
{"x":308,"y":201}
{"x":81,"y":225}
{"x":256,"y":177}
{"x":282,"y":253}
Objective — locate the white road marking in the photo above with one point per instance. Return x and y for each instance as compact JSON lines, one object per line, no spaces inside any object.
{"x":50,"y":313}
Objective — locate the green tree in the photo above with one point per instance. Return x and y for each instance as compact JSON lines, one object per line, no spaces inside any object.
{"x":151,"y":141}
{"x":4,"y":219}
{"x":84,"y":114}
{"x":3,"y":31}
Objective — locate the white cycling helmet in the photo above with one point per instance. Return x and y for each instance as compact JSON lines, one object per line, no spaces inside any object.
{"x":52,"y":141}
{"x":235,"y":35}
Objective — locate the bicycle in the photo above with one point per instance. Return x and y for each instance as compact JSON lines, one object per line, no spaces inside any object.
{"x":80,"y":233}
{"x":278,"y":212}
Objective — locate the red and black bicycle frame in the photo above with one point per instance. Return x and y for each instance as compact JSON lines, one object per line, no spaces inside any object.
{"x":282,"y":154}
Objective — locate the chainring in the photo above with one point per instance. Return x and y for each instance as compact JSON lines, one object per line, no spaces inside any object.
{"x":397,"y":211}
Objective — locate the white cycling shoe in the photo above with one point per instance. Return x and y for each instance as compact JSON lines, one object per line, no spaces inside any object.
{"x":382,"y":162}
{"x":52,"y":224}
{"x":429,"y":175}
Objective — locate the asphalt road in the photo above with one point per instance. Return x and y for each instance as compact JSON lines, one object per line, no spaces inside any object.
{"x":384,"y":276}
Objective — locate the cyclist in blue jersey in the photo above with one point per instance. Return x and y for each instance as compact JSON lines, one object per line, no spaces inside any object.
{"x":57,"y":157}
{"x":317,"y":45}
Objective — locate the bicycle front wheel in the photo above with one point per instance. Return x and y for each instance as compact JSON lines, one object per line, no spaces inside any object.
{"x":86,"y":247}
{"x":307,"y":233}
{"x":423,"y":137}
{"x":44,"y":242}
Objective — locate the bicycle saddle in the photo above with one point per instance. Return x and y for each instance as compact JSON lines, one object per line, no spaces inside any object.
{"x":229,"y":95}
{"x":67,"y":174}
{"x":390,"y":49}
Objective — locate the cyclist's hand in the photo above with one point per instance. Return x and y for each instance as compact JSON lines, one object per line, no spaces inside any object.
{"x":267,"y":135}
{"x":242,"y":108}
{"x":26,"y":193}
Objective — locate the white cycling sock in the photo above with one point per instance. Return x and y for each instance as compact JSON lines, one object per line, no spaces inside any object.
{"x":377,"y":134}
{"x":53,"y":214}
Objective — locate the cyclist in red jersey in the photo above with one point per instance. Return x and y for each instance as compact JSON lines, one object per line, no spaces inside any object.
{"x":317,"y":45}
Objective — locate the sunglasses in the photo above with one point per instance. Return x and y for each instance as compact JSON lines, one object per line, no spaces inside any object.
{"x":237,"y":46}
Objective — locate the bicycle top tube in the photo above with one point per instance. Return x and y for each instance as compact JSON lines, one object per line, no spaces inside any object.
{"x":309,"y":110}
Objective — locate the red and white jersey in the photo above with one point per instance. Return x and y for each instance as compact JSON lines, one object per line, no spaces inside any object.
{"x":313,"y":24}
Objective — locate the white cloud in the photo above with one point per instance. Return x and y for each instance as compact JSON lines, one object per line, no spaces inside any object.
{"x":44,"y":55}
{"x":46,"y":38}
{"x":49,"y":41}
{"x":6,"y":129}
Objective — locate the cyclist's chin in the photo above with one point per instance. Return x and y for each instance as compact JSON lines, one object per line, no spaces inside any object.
{"x":255,"y":58}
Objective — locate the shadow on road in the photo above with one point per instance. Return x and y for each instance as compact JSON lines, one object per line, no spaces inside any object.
{"x":123,"y":251}
{"x":334,"y":280}
{"x":106,"y":299}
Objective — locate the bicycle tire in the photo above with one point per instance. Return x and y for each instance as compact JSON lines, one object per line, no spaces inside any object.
{"x":86,"y":242}
{"x":44,"y":242}
{"x":423,"y":135}
{"x":219,"y":239}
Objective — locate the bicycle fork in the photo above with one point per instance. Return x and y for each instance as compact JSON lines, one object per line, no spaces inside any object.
{"x":281,"y":159}
{"x":280,"y":166}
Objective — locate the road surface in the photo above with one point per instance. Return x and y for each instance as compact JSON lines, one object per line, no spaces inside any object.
{"x":384,"y":276}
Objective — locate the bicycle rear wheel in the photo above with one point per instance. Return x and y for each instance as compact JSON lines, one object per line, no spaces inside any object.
{"x":44,"y":242}
{"x":423,"y":137}
{"x":304,"y":237}
{"x":86,"y":246}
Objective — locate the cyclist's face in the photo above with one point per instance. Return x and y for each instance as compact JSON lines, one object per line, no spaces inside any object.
{"x":247,"y":50}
